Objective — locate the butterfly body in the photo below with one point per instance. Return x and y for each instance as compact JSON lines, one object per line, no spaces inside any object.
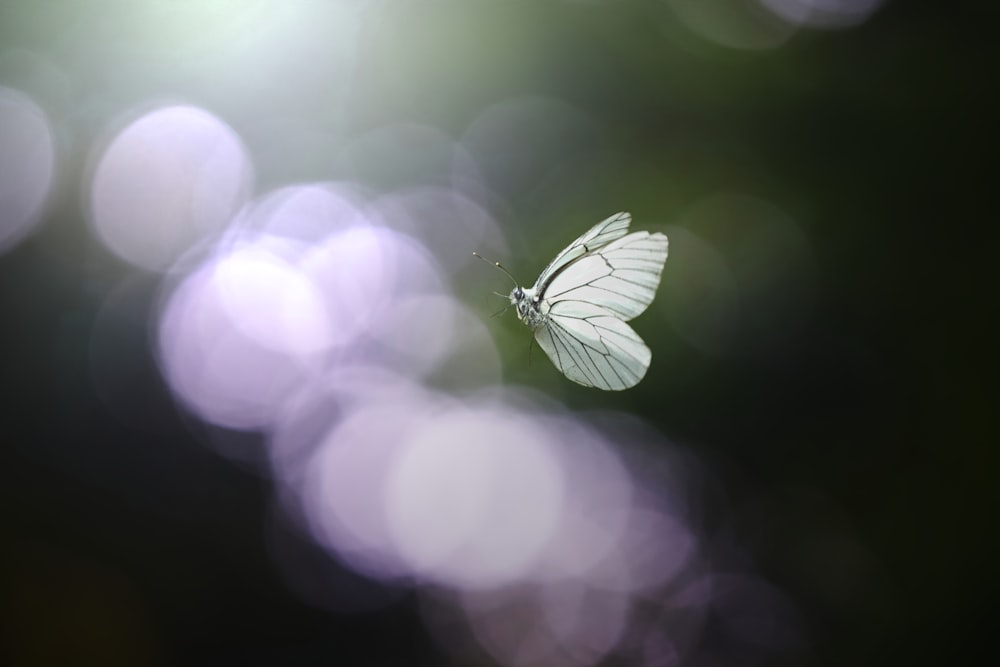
{"x":528,"y":306}
{"x":579,"y":306}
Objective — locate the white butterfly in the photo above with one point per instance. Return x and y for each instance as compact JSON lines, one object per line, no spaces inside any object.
{"x":580,"y":303}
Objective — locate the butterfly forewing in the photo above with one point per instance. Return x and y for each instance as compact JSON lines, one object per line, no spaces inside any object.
{"x":596,"y":237}
{"x":621,"y":277}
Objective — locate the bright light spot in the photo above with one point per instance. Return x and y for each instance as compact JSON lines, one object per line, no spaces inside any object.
{"x":309,"y":417}
{"x":738,"y":24}
{"x":474,"y":497}
{"x":271,"y":302}
{"x":238,"y":335}
{"x":478,"y":496}
{"x":169,"y":179}
{"x":383,"y":284}
{"x":823,"y":13}
{"x":356,"y":270}
{"x":27,"y":165}
{"x":347,"y":480}
{"x":270,"y":315}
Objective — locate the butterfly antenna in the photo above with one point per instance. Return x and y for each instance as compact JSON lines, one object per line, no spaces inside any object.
{"x":497,"y":265}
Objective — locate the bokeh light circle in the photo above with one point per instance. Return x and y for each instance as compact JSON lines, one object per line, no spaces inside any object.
{"x":170,"y":178}
{"x":474,"y":497}
{"x":347,"y":479}
{"x":238,"y":335}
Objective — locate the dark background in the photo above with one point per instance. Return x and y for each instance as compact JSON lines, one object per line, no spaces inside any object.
{"x":871,"y":420}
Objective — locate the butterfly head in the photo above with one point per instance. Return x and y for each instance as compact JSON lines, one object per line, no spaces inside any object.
{"x":526,"y":303}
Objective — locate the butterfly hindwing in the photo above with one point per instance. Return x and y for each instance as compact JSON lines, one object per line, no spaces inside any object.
{"x":593,"y":347}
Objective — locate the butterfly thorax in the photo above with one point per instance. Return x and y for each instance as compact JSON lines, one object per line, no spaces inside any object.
{"x":528,"y":307}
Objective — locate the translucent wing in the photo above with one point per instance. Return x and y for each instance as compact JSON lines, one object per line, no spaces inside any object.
{"x":596,"y":237}
{"x":592,"y":347}
{"x":587,"y":303}
{"x":622,"y":277}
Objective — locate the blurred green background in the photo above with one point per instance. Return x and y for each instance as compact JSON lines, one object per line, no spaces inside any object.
{"x":823,"y":336}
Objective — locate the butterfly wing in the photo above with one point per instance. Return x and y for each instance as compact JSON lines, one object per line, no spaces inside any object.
{"x":587,"y":304}
{"x":621,"y":277}
{"x":596,"y":237}
{"x":593,"y":347}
